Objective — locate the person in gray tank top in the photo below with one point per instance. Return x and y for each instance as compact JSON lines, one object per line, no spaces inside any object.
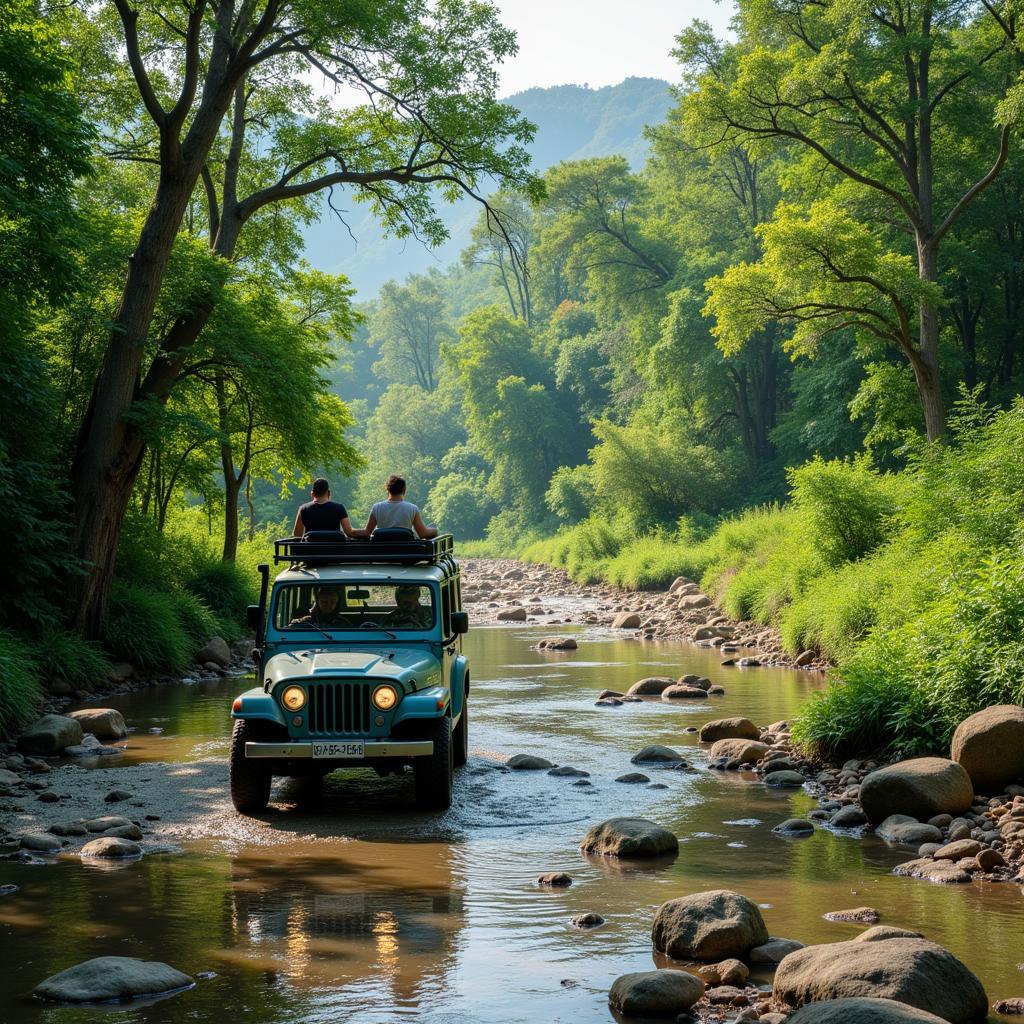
{"x":397,"y":513}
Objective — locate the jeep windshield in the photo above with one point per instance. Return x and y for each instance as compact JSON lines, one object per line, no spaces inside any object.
{"x":342,"y":605}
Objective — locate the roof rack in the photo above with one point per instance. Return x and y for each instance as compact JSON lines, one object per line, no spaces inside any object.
{"x":295,"y":550}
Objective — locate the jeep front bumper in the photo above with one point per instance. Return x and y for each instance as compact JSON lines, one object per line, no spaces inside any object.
{"x":371,"y":749}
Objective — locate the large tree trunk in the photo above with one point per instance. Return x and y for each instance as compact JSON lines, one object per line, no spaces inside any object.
{"x":926,"y":368}
{"x":110,"y":448}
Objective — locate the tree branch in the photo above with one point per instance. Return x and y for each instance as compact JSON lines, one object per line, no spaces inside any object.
{"x":130,"y":19}
{"x":977,"y":188}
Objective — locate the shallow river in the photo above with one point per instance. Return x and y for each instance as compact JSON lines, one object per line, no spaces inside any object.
{"x":380,"y":913}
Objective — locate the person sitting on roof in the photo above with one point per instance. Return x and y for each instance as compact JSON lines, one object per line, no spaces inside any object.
{"x":409,"y":613}
{"x":325,"y":613}
{"x":323,"y":514}
{"x":395,"y":513}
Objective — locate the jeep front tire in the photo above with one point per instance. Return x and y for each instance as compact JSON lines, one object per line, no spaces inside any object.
{"x":433,"y":775}
{"x":250,"y":780}
{"x":460,"y":736}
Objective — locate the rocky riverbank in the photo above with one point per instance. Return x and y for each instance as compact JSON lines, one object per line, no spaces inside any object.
{"x":503,"y":590}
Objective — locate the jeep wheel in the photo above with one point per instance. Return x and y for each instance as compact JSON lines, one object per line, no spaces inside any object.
{"x":250,"y":780}
{"x":433,"y":775}
{"x":460,"y":737}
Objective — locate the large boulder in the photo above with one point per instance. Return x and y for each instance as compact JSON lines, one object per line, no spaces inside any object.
{"x":50,"y":735}
{"x":664,"y":993}
{"x":216,"y":650}
{"x":862,"y":1011}
{"x":683,"y":691}
{"x":729,"y":729}
{"x":990,"y":747}
{"x":517,"y":614}
{"x":626,"y":620}
{"x":711,"y":925}
{"x":738,"y":750}
{"x":629,"y":837}
{"x":656,"y":754}
{"x":111,"y":848}
{"x":922,"y":788}
{"x":103,"y":723}
{"x":652,"y":686}
{"x":913,"y":971}
{"x":112,"y":977}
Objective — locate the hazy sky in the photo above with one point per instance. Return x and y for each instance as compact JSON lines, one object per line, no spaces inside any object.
{"x":600,"y":42}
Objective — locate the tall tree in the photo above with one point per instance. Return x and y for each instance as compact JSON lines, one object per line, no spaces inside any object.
{"x":409,"y":326}
{"x":875,"y":95}
{"x":432,"y":123}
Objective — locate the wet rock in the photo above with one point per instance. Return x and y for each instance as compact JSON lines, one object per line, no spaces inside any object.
{"x":663,"y":993}
{"x":682,"y":691}
{"x":112,"y":978}
{"x":861,"y":1011}
{"x":9,"y":778}
{"x":989,"y":860}
{"x":652,"y":686}
{"x":1009,"y":1007}
{"x":108,"y":821}
{"x":805,"y":658}
{"x":912,"y":971}
{"x":50,"y":735}
{"x":748,"y":663}
{"x":69,"y":828}
{"x":928,"y":849}
{"x":882,"y":932}
{"x":587,"y":920}
{"x":784,"y":780}
{"x":794,"y":827}
{"x":215,"y":650}
{"x":567,"y":771}
{"x":557,"y":643}
{"x":96,"y":749}
{"x":40,"y":842}
{"x":129,"y":831}
{"x":990,"y":747}
{"x":708,"y":926}
{"x":512,"y":615}
{"x":728,"y":972}
{"x":657,"y":785}
{"x":656,"y":754}
{"x":727,"y":995}
{"x":773,"y":951}
{"x":528,"y":763}
{"x":103,"y":723}
{"x":933,"y":871}
{"x":555,"y":879}
{"x":48,"y":797}
{"x":922,"y":787}
{"x":111,"y":848}
{"x":629,"y":837}
{"x":729,"y":729}
{"x":741,"y":751}
{"x":633,"y":778}
{"x":862,"y":915}
{"x":115,"y":796}
{"x":850,"y":816}
{"x":958,"y":850}
{"x":716,"y":691}
{"x":899,"y":828}
{"x":581,"y":782}
{"x":626,"y":620}
{"x":608,"y":702}
{"x":8,"y":890}
{"x":606,"y":694}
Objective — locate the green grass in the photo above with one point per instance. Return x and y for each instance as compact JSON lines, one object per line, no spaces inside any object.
{"x":143,"y":628}
{"x":67,"y":657}
{"x":20,"y":688}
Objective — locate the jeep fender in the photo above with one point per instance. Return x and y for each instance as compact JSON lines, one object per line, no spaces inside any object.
{"x":430,"y":703}
{"x":257,"y":704}
{"x":459,"y":684}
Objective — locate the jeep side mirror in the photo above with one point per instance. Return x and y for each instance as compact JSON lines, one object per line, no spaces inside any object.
{"x":460,"y":622}
{"x":252,"y":617}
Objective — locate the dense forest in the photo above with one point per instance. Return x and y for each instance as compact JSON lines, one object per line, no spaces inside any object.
{"x":782,"y":355}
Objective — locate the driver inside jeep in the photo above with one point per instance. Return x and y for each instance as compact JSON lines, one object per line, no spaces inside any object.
{"x":325,"y":610}
{"x":409,"y":613}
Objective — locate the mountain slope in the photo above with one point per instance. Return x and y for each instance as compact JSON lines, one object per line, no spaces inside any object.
{"x":573,"y":122}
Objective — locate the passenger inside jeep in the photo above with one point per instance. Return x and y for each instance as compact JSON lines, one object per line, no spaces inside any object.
{"x":354,"y":606}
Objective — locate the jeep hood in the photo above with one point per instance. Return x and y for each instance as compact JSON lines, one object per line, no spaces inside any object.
{"x":418,"y":666}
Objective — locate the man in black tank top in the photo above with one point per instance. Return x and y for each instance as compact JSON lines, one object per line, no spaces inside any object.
{"x":323,"y":514}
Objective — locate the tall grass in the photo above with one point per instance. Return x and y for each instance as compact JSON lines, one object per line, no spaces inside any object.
{"x":68,"y":658}
{"x":19,"y":682}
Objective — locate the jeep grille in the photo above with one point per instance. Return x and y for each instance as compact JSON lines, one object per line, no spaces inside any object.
{"x":339,"y":708}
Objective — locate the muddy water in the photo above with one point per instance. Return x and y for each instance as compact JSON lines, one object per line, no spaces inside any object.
{"x":347,"y":912}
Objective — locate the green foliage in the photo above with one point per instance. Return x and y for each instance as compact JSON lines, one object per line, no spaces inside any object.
{"x":460,"y":505}
{"x":142,"y":627}
{"x":198,"y":622}
{"x":224,"y":589}
{"x":19,"y":682}
{"x":67,"y":657}
{"x":570,"y":495}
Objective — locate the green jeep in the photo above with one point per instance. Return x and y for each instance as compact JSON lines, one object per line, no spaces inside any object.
{"x":359,"y":648}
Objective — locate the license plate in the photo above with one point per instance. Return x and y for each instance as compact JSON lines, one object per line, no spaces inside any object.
{"x":337,"y":751}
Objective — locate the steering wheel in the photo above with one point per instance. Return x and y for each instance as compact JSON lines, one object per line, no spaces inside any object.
{"x":369,"y":624}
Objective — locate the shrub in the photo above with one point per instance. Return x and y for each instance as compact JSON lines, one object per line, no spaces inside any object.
{"x":19,"y":682}
{"x":223,"y":588}
{"x":69,"y":658}
{"x":142,"y":627}
{"x":196,"y":620}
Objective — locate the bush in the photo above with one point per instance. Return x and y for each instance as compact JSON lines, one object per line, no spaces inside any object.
{"x":142,"y":627}
{"x":196,"y":620}
{"x":224,"y":589}
{"x":19,"y":682}
{"x":67,"y":657}
{"x":460,"y":505}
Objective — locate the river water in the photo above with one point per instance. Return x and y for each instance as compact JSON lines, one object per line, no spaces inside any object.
{"x":364,"y":909}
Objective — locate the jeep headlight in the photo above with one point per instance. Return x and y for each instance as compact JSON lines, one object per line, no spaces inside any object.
{"x":294,"y":698}
{"x":385,"y":698}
